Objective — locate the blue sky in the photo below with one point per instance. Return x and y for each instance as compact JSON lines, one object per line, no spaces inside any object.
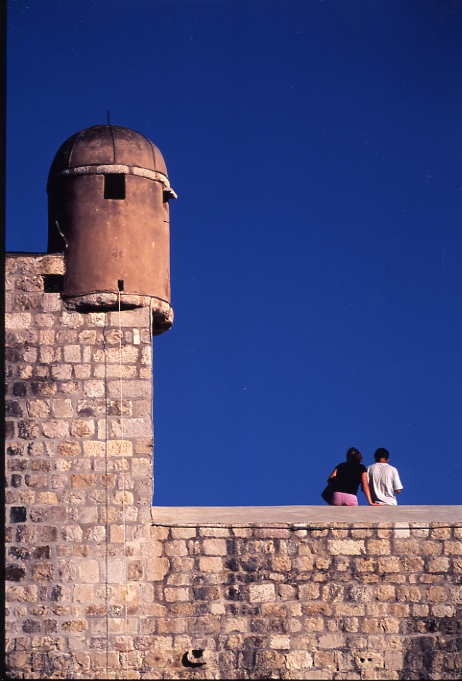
{"x":316,"y":243}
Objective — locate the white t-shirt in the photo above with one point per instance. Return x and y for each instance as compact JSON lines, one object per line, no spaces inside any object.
{"x":383,"y":481}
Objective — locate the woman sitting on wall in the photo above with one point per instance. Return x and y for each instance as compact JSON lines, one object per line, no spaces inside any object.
{"x":346,"y":478}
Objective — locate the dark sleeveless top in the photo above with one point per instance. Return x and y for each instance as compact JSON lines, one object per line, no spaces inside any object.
{"x":348,"y":477}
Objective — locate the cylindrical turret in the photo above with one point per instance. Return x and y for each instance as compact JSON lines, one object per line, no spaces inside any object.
{"x":108,"y":194}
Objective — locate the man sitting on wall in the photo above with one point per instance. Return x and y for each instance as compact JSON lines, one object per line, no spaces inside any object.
{"x":384,"y":480}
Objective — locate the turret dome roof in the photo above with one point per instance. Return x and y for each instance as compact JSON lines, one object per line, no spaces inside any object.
{"x":108,"y":145}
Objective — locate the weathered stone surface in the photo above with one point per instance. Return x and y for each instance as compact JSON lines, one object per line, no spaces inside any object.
{"x":95,"y":591}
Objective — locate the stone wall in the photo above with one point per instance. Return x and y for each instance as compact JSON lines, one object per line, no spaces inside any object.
{"x":97,"y":588}
{"x":329,"y":601}
{"x":78,"y":475}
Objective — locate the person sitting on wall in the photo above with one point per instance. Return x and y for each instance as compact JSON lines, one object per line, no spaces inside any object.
{"x":384,"y":479}
{"x":346,"y":478}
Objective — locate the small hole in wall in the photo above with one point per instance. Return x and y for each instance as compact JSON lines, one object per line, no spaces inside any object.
{"x":114,"y":186}
{"x":193,"y":658}
{"x":53,"y":283}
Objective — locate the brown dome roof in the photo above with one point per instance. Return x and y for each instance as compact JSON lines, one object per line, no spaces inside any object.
{"x":107,"y":145}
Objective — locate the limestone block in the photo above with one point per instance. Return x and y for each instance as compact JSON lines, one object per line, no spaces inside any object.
{"x":51,"y":302}
{"x":325,"y":659}
{"x":95,"y":534}
{"x":38,"y":408}
{"x":348,"y":547}
{"x":123,"y":497}
{"x":69,"y":387}
{"x":69,"y":448}
{"x":47,"y":336}
{"x":117,"y":533}
{"x":440,"y":564}
{"x":143,"y":446}
{"x":279,"y":642}
{"x":308,"y":591}
{"x":438,"y":594}
{"x":127,"y":354}
{"x":304,"y":563}
{"x":299,"y":659}
{"x":386,"y":592}
{"x":181,"y":532}
{"x":135,"y":569}
{"x":82,"y":427}
{"x":389,"y":564}
{"x":44,"y":320}
{"x":332,"y":641}
{"x":82,"y":371}
{"x":214,"y":547}
{"x":349,"y":609}
{"x":176,"y":548}
{"x":138,"y":317}
{"x":18,"y":320}
{"x":259,"y":593}
{"x":130,"y":389}
{"x":72,"y":319}
{"x":116,"y":570}
{"x":379,"y":547}
{"x":24,"y":371}
{"x":72,"y":533}
{"x":51,"y":264}
{"x":158,"y":532}
{"x":54,"y":428}
{"x":132,"y":428}
{"x":176,"y":594}
{"x":453,"y":547}
{"x":46,"y":498}
{"x":62,"y":408}
{"x":114,"y":371}
{"x":94,"y":388}
{"x":119,"y":448}
{"x":87,"y":514}
{"x":94,"y":448}
{"x":61,"y":371}
{"x":440,"y":532}
{"x":84,"y":593}
{"x":157,"y":568}
{"x":72,"y":353}
{"x":146,"y":355}
{"x":443,"y":610}
{"x":23,"y":594}
{"x":211,"y":564}
{"x":90,"y":336}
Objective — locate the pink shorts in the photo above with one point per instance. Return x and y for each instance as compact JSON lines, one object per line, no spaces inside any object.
{"x":344,"y":499}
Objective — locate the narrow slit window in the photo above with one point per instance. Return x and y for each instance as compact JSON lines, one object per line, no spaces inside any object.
{"x":114,"y":186}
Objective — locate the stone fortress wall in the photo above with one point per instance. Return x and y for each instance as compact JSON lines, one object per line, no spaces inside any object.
{"x":99,"y":585}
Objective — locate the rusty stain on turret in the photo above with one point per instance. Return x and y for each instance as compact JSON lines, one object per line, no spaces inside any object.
{"x":108,"y":194}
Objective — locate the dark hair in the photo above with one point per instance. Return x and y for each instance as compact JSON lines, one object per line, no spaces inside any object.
{"x":353,"y":455}
{"x":381,"y":453}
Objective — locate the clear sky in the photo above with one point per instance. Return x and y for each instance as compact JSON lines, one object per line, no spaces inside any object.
{"x":316,"y":243}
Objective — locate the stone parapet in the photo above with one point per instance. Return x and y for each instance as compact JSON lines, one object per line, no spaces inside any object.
{"x":307,"y":600}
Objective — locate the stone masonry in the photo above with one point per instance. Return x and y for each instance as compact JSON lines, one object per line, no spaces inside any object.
{"x":98,"y":587}
{"x":330,"y":600}
{"x":79,"y":477}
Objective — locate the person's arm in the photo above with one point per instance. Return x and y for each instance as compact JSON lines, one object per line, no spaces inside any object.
{"x":366,"y":490}
{"x":332,"y":475}
{"x":397,"y":484}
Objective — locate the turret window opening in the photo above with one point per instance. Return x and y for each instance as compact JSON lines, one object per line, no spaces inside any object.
{"x":114,"y":186}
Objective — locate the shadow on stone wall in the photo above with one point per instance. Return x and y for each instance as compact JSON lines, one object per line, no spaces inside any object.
{"x":433,"y":649}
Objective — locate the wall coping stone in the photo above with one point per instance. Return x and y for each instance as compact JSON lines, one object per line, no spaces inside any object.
{"x":304,"y":516}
